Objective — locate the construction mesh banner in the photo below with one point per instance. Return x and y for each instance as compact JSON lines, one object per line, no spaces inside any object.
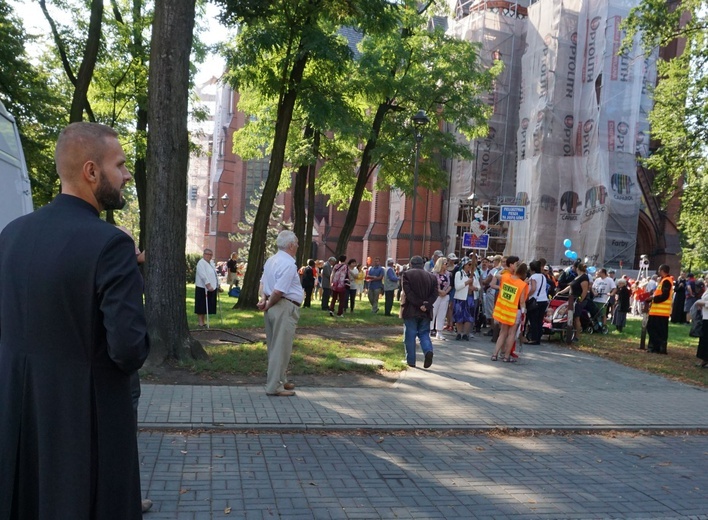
{"x":499,"y":31}
{"x":582,"y":119}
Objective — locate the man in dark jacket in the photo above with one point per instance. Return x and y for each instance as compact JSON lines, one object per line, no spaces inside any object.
{"x":420,"y":290}
{"x":72,"y":333}
{"x":308,"y":281}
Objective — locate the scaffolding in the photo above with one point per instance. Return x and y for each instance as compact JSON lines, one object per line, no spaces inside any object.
{"x":495,"y":228}
{"x":499,"y":27}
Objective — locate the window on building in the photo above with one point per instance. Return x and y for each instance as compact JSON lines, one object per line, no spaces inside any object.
{"x":256,"y":174}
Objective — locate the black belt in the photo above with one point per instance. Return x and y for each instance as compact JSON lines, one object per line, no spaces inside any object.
{"x":296,"y":304}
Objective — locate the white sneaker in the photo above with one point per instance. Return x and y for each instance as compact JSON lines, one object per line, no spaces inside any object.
{"x":440,"y":336}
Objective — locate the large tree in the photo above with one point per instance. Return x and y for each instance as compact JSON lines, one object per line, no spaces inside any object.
{"x":277,"y":42}
{"x":415,"y":67}
{"x":679,"y":120}
{"x":167,"y":160}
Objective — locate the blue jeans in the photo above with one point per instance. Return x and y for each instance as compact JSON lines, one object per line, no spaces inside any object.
{"x":412,"y":328}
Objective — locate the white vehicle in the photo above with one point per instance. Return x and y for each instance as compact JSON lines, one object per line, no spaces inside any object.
{"x":15,"y":189}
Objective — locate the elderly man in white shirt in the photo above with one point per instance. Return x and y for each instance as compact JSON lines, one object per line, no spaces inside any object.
{"x":281,"y":296}
{"x":206,"y":283}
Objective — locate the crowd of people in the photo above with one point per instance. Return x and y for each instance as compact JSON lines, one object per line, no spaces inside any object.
{"x":513,"y":301}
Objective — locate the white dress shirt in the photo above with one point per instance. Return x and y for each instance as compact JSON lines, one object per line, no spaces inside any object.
{"x":280,"y":274}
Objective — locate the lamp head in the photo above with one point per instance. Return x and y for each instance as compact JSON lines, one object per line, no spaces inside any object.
{"x":420,"y":119}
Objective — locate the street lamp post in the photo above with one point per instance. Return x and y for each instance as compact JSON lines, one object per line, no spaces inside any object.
{"x":419,"y":121}
{"x":211,"y":201}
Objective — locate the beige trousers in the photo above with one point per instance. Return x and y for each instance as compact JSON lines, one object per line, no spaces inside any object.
{"x":280,"y":324}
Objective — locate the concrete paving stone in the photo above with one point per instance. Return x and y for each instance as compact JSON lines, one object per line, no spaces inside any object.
{"x":502,"y":495}
{"x":459,"y":477}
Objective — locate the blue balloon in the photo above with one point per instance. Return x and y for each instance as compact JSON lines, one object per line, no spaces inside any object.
{"x":567,"y":242}
{"x":568,"y":253}
{"x":591,"y":269}
{"x":573,"y":255}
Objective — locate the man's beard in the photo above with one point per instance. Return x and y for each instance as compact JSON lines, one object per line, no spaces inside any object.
{"x":107,"y":196}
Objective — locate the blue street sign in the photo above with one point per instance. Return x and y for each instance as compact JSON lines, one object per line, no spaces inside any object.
{"x":470,"y":241}
{"x":511,"y":213}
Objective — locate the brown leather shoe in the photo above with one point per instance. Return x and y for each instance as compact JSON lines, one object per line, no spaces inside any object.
{"x":284,"y":393}
{"x":289,"y":386}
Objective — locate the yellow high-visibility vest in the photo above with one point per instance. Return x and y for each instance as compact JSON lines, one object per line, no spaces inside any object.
{"x":511,"y":292}
{"x":664,"y":308}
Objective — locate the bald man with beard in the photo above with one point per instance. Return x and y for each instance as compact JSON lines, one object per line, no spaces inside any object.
{"x":72,"y":333}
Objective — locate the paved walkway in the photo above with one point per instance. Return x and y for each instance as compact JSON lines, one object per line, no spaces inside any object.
{"x":550,"y":387}
{"x":301,"y":458}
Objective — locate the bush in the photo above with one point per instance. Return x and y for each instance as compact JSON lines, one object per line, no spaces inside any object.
{"x":192,"y":259}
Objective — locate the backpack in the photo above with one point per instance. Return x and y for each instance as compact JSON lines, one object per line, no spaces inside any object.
{"x":340,"y":277}
{"x":308,"y":277}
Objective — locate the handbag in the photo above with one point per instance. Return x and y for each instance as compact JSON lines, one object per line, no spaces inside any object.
{"x":531,"y":303}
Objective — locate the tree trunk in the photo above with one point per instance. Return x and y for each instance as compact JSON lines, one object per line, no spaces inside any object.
{"x":299,"y":203}
{"x":167,"y":160}
{"x":140,"y":173}
{"x":83,"y":80}
{"x":361,"y":181}
{"x":307,"y":245}
{"x":256,"y":254}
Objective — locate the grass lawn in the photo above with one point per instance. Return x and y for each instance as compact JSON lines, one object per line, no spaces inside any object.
{"x":317,"y":354}
{"x":622,"y":348}
{"x":312,"y":355}
{"x":312,"y":317}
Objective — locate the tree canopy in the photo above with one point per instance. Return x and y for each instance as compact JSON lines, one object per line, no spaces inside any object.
{"x":416,"y":66}
{"x":360,"y":78}
{"x":679,"y":120}
{"x":36,"y":99}
{"x":281,"y":47}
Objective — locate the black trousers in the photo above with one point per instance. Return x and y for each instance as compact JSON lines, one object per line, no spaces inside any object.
{"x":308,"y":296}
{"x":352,"y":299}
{"x":388,"y":305}
{"x":535,"y":318}
{"x":658,"y":331}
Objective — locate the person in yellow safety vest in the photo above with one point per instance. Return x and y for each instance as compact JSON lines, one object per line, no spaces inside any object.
{"x":513,"y":291}
{"x":659,"y":312}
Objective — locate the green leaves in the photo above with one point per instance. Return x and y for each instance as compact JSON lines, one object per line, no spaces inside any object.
{"x":679,"y":120}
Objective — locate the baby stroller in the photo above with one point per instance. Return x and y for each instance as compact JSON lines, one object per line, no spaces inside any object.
{"x":591,"y":318}
{"x":556,"y":318}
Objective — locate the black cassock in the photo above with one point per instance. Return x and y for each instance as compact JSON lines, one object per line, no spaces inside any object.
{"x":72,"y":331}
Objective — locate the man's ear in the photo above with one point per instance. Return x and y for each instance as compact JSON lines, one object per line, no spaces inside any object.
{"x":89,"y":171}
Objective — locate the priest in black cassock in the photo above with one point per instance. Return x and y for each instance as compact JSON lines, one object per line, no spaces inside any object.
{"x":72,"y":332}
